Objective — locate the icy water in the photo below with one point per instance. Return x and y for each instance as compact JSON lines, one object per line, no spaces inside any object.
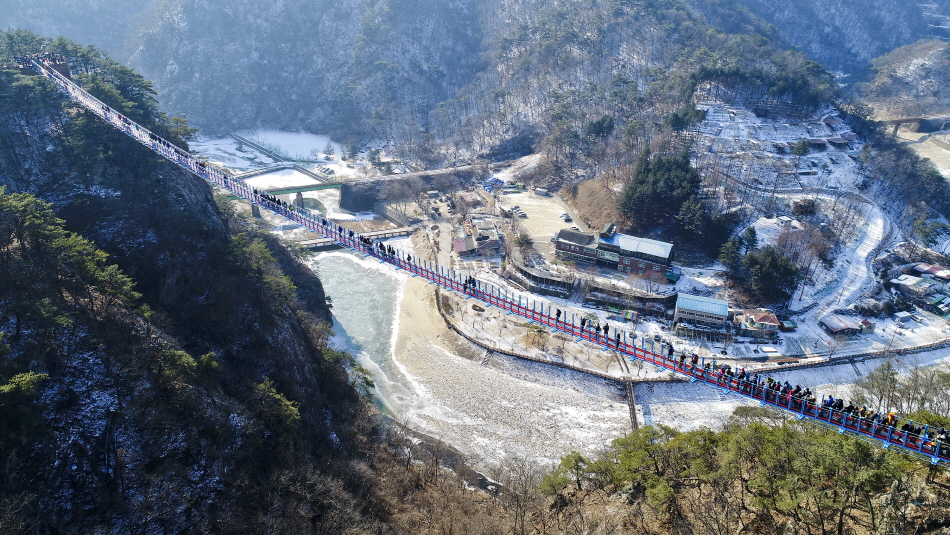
{"x":365,"y":301}
{"x":486,"y":412}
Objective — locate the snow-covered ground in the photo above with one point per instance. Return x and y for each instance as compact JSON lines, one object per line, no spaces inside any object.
{"x":756,"y":153}
{"x":225,"y":152}
{"x":297,"y":145}
{"x":859,"y":277}
{"x":281,"y":178}
{"x":306,"y":147}
{"x":543,"y":220}
{"x":520,"y":166}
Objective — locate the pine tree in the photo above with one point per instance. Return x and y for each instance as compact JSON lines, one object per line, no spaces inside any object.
{"x":750,"y":239}
{"x":730,"y":255}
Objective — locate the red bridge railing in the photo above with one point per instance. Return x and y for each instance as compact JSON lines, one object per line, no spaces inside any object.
{"x":530,"y":309}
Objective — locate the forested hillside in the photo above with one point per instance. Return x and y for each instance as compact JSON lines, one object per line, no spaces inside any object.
{"x":384,"y":68}
{"x":164,"y":365}
{"x":587,"y":80}
{"x":911,"y":81}
{"x":112,"y":25}
{"x":843,"y":36}
{"x":757,"y":475}
{"x":449,"y":81}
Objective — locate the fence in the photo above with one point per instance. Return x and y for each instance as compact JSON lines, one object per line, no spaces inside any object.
{"x":536,"y":313}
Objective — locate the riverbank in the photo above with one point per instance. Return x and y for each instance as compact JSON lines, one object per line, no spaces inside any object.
{"x":488,"y":412}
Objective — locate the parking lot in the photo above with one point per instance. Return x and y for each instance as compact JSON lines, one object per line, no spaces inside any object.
{"x":543,"y":220}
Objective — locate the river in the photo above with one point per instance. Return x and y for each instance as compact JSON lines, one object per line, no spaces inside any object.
{"x":506,"y":408}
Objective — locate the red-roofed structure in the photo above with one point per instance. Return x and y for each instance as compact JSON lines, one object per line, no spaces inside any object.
{"x":759,"y":323}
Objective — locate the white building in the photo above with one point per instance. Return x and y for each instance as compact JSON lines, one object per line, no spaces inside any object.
{"x":915,"y":286}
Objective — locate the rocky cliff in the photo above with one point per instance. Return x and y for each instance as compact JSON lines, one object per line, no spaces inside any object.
{"x":167,"y":363}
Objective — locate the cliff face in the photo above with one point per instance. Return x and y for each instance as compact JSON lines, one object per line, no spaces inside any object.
{"x":210,"y":403}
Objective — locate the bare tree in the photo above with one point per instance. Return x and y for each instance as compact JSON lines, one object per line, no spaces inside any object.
{"x":836,"y":343}
{"x":520,"y":479}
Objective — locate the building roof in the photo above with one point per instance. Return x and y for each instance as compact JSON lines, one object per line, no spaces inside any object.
{"x":698,"y":303}
{"x":836,"y":323}
{"x":761,"y":316}
{"x":939,"y":272}
{"x":486,"y":235}
{"x":483,"y":224}
{"x":471,"y":199}
{"x":640,"y":245}
{"x":575,"y":236}
{"x":464,"y":245}
{"x":906,"y":280}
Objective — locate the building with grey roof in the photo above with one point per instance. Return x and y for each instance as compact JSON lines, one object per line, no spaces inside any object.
{"x":640,"y":257}
{"x":701,"y":311}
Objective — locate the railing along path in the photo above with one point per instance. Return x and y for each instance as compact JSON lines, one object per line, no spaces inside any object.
{"x":535,"y":312}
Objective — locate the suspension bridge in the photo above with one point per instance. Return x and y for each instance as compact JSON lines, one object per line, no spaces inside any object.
{"x":923,"y":446}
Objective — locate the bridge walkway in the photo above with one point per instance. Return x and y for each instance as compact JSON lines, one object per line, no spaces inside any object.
{"x":542,"y":314}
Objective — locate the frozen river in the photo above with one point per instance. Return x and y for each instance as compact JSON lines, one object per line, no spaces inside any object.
{"x":487,"y":412}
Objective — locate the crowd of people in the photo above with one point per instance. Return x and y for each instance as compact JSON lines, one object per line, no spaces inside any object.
{"x":835,"y":411}
{"x":794,"y":398}
{"x":46,"y":57}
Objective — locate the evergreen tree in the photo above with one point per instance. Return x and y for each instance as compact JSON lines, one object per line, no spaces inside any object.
{"x":771,"y":274}
{"x":600,"y":128}
{"x":730,"y":255}
{"x":693,"y":217}
{"x":658,"y":188}
{"x":750,"y":239}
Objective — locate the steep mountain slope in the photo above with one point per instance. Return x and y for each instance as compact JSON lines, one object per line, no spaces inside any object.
{"x":445,"y":80}
{"x":911,"y":81}
{"x":382,"y":68}
{"x":465,"y":75}
{"x":845,"y":36}
{"x":112,"y":25}
{"x":324,"y":65}
{"x":209,"y":402}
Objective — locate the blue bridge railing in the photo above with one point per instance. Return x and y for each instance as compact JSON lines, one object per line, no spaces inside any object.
{"x":536,"y":312}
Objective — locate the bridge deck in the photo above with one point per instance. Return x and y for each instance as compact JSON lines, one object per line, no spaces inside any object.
{"x":304,"y":189}
{"x":538,"y":313}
